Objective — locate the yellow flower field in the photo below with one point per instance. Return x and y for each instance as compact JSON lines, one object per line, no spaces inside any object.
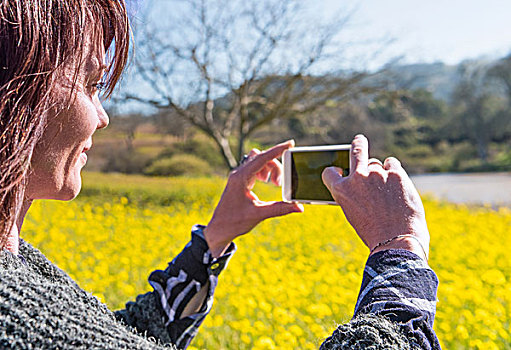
{"x":292,"y":278}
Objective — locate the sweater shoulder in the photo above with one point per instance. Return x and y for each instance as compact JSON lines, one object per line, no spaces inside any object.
{"x":41,"y":265}
{"x":367,"y":332}
{"x":41,"y":307}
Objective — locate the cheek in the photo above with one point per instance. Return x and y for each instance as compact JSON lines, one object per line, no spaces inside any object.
{"x":67,"y":133}
{"x":56,"y":162}
{"x":78,"y":123}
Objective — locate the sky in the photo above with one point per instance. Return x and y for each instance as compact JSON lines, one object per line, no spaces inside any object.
{"x":424,"y":31}
{"x":427,"y":31}
{"x":430,"y":30}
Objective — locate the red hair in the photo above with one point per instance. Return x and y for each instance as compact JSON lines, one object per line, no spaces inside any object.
{"x":37,"y":38}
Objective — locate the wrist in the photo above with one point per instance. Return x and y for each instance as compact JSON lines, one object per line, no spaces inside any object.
{"x":407,"y":242}
{"x":216,"y":247}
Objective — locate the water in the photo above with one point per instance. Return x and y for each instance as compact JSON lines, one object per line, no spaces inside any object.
{"x":475,"y":188}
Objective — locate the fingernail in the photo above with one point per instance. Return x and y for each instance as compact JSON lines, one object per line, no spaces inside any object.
{"x":300,"y":208}
{"x":291,"y":141}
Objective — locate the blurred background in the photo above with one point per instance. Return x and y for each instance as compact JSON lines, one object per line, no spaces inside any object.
{"x":427,"y":82}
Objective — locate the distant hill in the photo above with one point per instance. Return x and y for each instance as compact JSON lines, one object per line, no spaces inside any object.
{"x":438,"y":78}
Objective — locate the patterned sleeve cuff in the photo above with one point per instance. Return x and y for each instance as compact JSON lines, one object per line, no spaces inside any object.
{"x":184,"y":277}
{"x":215,"y":265}
{"x":398,"y":282}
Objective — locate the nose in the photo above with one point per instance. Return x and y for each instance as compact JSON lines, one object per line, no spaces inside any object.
{"x":103,"y":119}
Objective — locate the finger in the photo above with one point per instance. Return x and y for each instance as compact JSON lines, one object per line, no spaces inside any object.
{"x":263,"y":174}
{"x":260,"y":160}
{"x":271,"y":172}
{"x":274,"y":209}
{"x":251,"y":178}
{"x":359,"y":154}
{"x":375,"y":165}
{"x":374,"y":161}
{"x":276,"y":171}
{"x":331,"y":176}
{"x":392,"y":163}
{"x":248,"y":157}
{"x":253,"y":196}
{"x":253,"y":152}
{"x":268,"y":169}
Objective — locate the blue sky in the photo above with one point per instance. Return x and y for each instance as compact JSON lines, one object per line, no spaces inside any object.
{"x":423,"y":31}
{"x":431,"y":30}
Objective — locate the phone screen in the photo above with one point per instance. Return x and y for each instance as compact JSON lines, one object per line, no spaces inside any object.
{"x":306,"y":169}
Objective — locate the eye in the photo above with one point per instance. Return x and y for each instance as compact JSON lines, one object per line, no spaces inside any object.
{"x":99,"y":86}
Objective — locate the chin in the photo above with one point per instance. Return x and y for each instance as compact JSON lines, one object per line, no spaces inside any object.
{"x":67,"y":194}
{"x":71,"y":189}
{"x":54,"y":182}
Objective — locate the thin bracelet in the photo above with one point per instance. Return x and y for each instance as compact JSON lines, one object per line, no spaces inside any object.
{"x":381,"y":244}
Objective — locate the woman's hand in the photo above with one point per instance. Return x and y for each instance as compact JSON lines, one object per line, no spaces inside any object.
{"x":239,"y":209}
{"x":379,"y":201}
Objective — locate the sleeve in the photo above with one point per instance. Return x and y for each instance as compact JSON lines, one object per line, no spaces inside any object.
{"x":397,"y":286}
{"x":158,"y":313}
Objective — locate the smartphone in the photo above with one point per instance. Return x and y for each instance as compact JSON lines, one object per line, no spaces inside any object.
{"x":302,"y":172}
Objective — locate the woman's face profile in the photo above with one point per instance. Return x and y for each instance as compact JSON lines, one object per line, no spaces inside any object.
{"x":60,"y":155}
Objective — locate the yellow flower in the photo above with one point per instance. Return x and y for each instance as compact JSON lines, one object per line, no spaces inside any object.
{"x":292,"y":277}
{"x":264,"y":343}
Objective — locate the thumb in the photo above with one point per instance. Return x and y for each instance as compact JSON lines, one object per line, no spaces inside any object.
{"x":331,"y":176}
{"x":273,"y":209}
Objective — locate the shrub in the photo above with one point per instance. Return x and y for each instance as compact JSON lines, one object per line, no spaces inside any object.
{"x":125,"y":161}
{"x":200,"y":146}
{"x":179,"y":164}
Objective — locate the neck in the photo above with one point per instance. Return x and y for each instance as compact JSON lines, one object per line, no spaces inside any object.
{"x":12,"y":243}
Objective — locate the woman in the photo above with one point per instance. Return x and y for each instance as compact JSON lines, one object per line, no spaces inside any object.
{"x":52,"y":55}
{"x":52,"y":66}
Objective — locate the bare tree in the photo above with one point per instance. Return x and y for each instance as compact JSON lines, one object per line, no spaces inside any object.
{"x":229,"y":67}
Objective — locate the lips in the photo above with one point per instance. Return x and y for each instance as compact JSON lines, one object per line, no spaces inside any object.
{"x":83,"y":155}
{"x":86,"y":148}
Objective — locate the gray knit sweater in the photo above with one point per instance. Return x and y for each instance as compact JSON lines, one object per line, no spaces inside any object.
{"x":41,"y":307}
